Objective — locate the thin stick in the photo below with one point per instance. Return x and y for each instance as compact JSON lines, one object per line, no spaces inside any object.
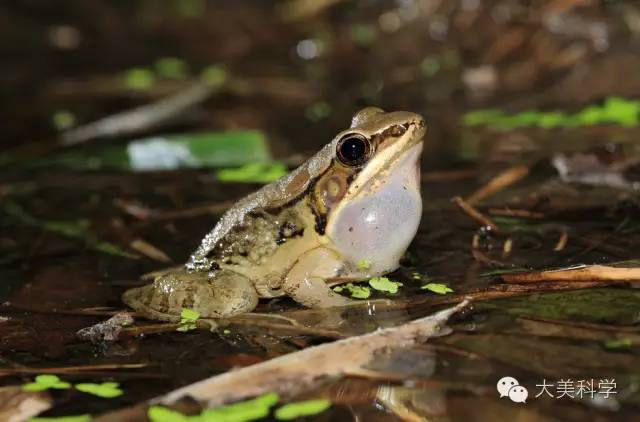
{"x":138,"y":119}
{"x":500,"y":182}
{"x":600,"y":273}
{"x":509,"y":212}
{"x":473,"y":213}
{"x":562,"y":242}
{"x":72,"y":369}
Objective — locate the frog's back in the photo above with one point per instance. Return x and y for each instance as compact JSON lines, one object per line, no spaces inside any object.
{"x":261,"y":212}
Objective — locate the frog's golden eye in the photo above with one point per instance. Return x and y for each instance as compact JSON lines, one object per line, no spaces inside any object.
{"x":353,"y":149}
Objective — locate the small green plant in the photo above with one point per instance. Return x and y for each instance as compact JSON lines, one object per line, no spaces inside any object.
{"x":383,"y":284}
{"x":622,"y":343}
{"x":188,"y":320}
{"x":364,"y":264}
{"x":356,"y":292}
{"x":245,"y":411}
{"x":46,"y":382}
{"x":301,"y":409}
{"x":106,"y":390}
{"x":139,"y":78}
{"x":78,"y":418}
{"x":438,"y":288}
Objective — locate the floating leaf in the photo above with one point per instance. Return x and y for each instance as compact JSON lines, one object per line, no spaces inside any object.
{"x":364,"y":264}
{"x":249,"y":410}
{"x":383,"y":284}
{"x":253,"y":173}
{"x":438,"y":288}
{"x":214,"y":76}
{"x":615,"y":110}
{"x":214,"y":149}
{"x":63,"y":120}
{"x":357,"y":292}
{"x":171,"y":68}
{"x":106,"y":390}
{"x":621,"y":343}
{"x":188,"y":319}
{"x":139,"y":78}
{"x":301,"y":409}
{"x":78,"y":418}
{"x":46,"y":382}
{"x":163,"y":414}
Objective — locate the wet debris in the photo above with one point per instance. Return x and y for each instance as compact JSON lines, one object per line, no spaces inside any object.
{"x":108,"y":330}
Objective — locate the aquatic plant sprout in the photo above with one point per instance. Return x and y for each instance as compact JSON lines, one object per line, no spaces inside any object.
{"x":383,"y":284}
{"x":614,"y":110}
{"x":438,"y":288}
{"x":188,"y":319}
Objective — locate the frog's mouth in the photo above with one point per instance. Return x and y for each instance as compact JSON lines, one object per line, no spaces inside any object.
{"x":398,"y":157}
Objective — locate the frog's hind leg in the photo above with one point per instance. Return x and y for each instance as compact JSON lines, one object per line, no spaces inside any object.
{"x":222,"y":296}
{"x":306,"y":282}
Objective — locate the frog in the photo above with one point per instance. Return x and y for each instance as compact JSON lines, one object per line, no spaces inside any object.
{"x":347,"y":214}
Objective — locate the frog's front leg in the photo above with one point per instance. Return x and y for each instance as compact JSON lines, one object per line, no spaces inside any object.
{"x":306,"y":282}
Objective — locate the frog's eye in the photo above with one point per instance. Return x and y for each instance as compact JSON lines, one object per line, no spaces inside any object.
{"x":353,"y":149}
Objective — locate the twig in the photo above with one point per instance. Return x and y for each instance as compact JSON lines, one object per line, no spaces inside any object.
{"x":138,"y":119}
{"x":72,"y":369}
{"x":498,"y":183}
{"x":142,"y":213}
{"x":562,"y":242}
{"x":448,"y":176}
{"x":509,"y":212}
{"x":474,"y":213}
{"x":582,"y":273}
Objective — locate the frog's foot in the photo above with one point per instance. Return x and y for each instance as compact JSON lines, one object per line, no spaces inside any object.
{"x":306,"y":282}
{"x":225,"y":295}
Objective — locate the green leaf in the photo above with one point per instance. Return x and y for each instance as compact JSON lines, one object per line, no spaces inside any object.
{"x":214,"y":76}
{"x":106,"y":390}
{"x":383,"y":284}
{"x":438,"y":288}
{"x":188,"y":319}
{"x":78,"y":418}
{"x":46,"y":382}
{"x":63,"y":119}
{"x":163,"y":414}
{"x":301,"y":409}
{"x":171,"y":68}
{"x":615,"y":110}
{"x":622,"y":343}
{"x":364,"y":264}
{"x":357,"y":292}
{"x":139,"y":78}
{"x":208,"y":149}
{"x":189,"y":315}
{"x":253,"y":173}
{"x":249,"y":410}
